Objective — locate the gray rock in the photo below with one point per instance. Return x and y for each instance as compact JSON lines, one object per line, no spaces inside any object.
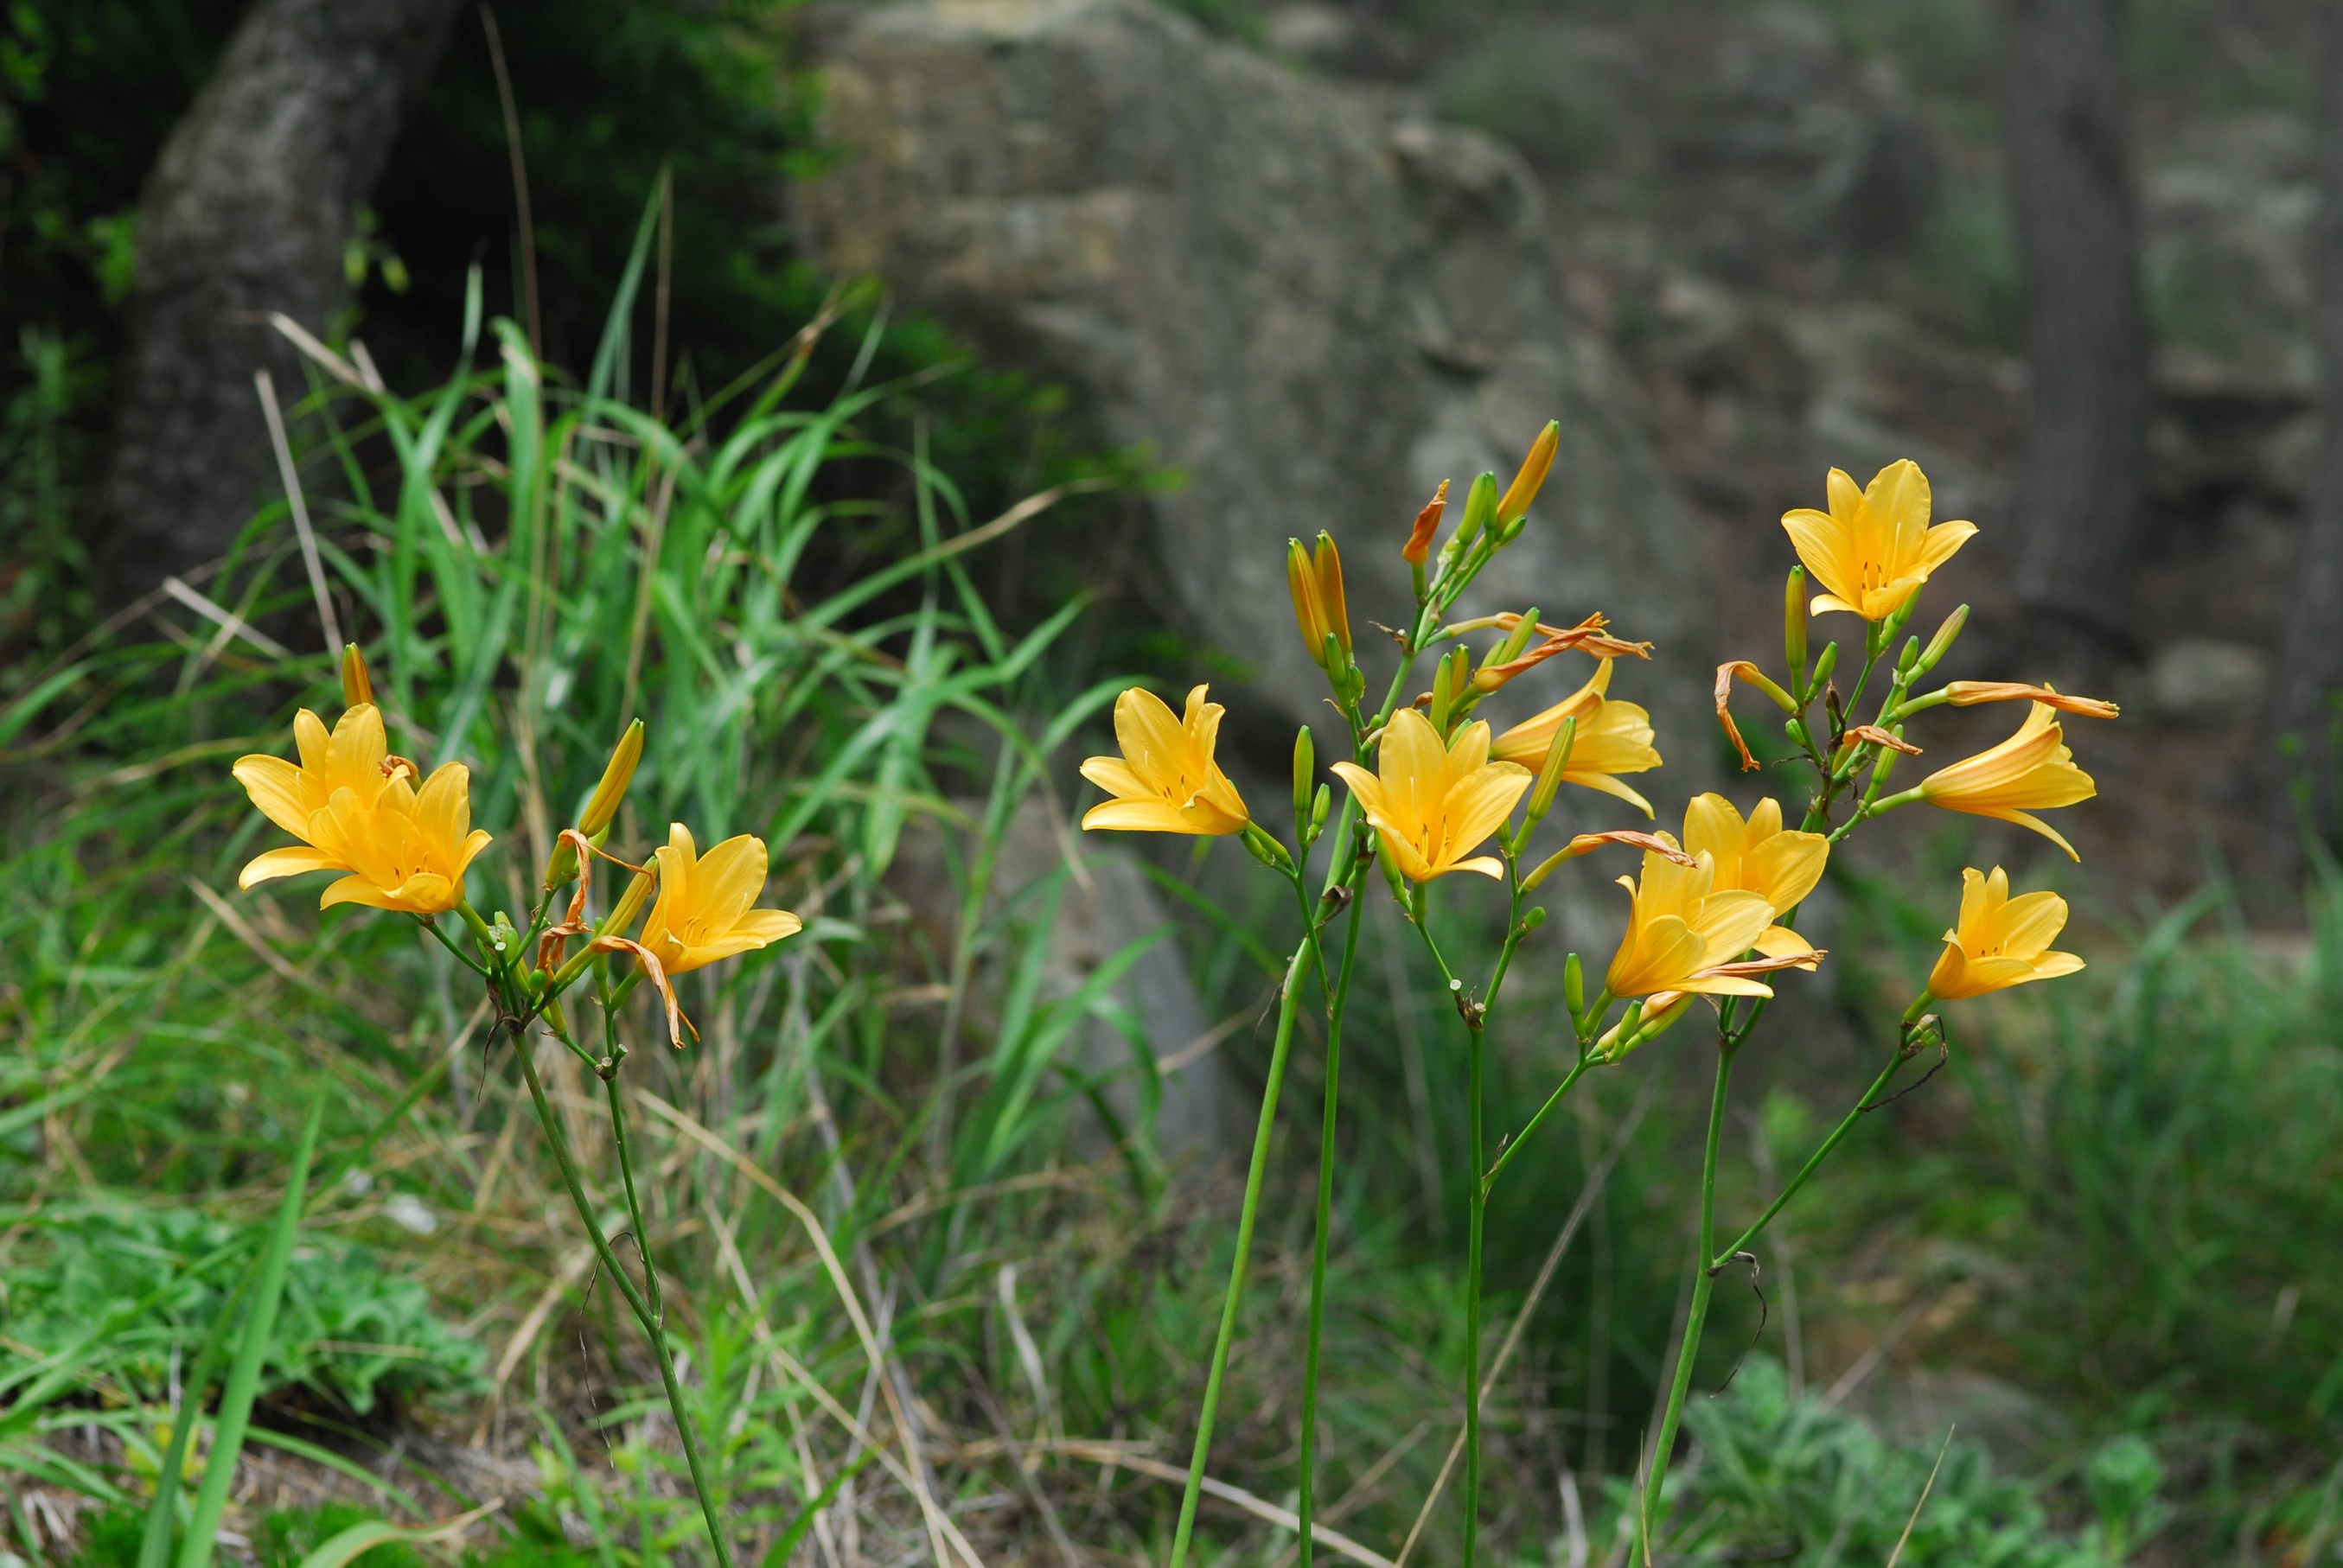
{"x":1313,"y":303}
{"x":2199,"y":679}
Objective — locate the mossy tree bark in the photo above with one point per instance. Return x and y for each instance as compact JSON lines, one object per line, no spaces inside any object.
{"x":248,"y":210}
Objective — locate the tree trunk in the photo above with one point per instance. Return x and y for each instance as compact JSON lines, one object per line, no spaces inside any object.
{"x":2066,"y":135}
{"x":248,"y":210}
{"x":2309,"y":666}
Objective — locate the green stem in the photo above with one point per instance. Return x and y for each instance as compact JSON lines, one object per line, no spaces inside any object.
{"x":1838,"y":1135}
{"x":1480,"y":1203}
{"x":1342,"y":989}
{"x":1296,"y":968}
{"x":428,"y":924}
{"x":641,"y":1308}
{"x":1703,"y":1283}
{"x":1515,"y":1146}
{"x":634,"y":1205}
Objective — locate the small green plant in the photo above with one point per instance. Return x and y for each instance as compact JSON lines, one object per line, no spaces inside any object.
{"x":347,"y":1330}
{"x":1791,"y":1480}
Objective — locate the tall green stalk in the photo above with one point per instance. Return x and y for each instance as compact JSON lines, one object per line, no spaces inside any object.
{"x":1288,"y":1004}
{"x":1703,"y":1285}
{"x":1479,"y":1210}
{"x":1339,"y":993}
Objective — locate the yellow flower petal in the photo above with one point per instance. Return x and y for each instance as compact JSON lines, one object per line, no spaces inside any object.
{"x":292,"y":862}
{"x":275,"y":787}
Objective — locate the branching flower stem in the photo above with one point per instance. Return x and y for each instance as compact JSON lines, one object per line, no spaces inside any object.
{"x":1738,"y":1019}
{"x":1352,"y":856}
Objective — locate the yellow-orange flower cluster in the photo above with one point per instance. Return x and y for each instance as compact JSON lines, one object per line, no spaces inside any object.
{"x":356,"y":811}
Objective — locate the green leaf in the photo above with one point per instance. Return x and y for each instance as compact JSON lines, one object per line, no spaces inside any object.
{"x":244,"y":1378}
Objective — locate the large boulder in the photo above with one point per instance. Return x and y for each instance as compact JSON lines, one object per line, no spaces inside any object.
{"x":1313,"y":303}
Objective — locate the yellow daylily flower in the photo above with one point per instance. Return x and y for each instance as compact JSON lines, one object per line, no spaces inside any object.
{"x":1759,"y":856}
{"x":1165,"y":781}
{"x":1873,"y":548}
{"x":407,"y":852}
{"x":355,"y":757}
{"x":2000,"y":941}
{"x":1686,"y":935}
{"x":2031,"y":770}
{"x":1433,"y":803}
{"x":704,"y":912}
{"x":1613,"y":737}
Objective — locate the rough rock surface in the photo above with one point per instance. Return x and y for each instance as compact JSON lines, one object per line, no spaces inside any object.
{"x":1313,"y":303}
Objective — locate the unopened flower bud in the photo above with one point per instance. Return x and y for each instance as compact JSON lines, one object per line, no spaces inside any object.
{"x":1549,"y":779}
{"x":1794,"y":624}
{"x":1318,"y":808}
{"x":357,"y":686}
{"x":1480,"y":506}
{"x":1315,"y":583}
{"x":1822,"y":667}
{"x":1573,"y":987}
{"x":603,"y":807}
{"x":1305,"y":774}
{"x":1531,"y":473}
{"x":1909,"y":656}
{"x":1517,"y":640}
{"x":1534,"y":919}
{"x":1418,"y":548}
{"x":1942,"y":643}
{"x":621,"y":917}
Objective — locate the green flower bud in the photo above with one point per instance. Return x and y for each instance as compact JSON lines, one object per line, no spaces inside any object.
{"x":1942,"y":643}
{"x":1305,"y":774}
{"x":1794,"y":624}
{"x":1480,"y":506}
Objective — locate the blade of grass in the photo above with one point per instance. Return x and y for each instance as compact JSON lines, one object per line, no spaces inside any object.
{"x":252,"y":1349}
{"x":154,"y":1549}
{"x":373,"y":1532}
